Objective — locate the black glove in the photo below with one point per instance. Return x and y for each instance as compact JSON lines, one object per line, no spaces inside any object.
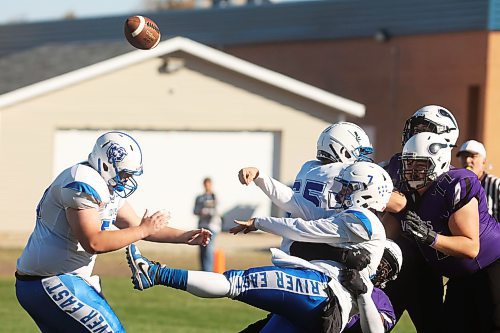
{"x":351,"y":280}
{"x":356,"y":259}
{"x":331,"y":316}
{"x":419,"y":229}
{"x":351,"y":258}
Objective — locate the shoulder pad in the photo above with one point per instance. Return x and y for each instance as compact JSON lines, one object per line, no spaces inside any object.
{"x":459,"y":186}
{"x":89,"y":184}
{"x":359,"y":222}
{"x":333,"y":168}
{"x":309,"y":164}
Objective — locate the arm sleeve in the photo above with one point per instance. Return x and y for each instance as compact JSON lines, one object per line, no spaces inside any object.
{"x":280,"y":194}
{"x":317,"y":231}
{"x":369,"y":317}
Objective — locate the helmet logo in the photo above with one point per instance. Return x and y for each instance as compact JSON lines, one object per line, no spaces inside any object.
{"x":357,"y":137}
{"x":446,"y":114}
{"x":434,"y":148}
{"x":115,"y":153}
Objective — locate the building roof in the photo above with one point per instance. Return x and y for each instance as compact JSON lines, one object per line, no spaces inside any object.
{"x":47,"y":61}
{"x":198,"y":50}
{"x":308,"y":20}
{"x":47,"y":49}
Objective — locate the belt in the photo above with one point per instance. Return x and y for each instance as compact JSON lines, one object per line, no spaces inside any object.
{"x":28,"y":277}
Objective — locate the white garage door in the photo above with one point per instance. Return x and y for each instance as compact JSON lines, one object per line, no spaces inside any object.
{"x":175,"y":164}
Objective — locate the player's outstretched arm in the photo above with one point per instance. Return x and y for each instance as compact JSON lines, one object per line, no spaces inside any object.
{"x":297,"y":229}
{"x":86,"y":225}
{"x":127,"y":218}
{"x":280,"y":194}
{"x":190,"y":237}
{"x":247,"y":175}
{"x":243,"y":226}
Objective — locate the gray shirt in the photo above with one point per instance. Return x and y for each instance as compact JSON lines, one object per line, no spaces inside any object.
{"x":205,"y":207}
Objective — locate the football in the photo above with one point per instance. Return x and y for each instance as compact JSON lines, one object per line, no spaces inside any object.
{"x":142,"y":32}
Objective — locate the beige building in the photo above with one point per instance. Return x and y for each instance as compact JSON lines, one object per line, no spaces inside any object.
{"x":181,"y":86}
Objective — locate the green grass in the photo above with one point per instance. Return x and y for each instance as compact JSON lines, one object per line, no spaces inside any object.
{"x":154,"y":310}
{"x":404,"y":325}
{"x":162,"y":309}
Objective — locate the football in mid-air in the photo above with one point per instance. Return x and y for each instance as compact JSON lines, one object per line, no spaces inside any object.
{"x":142,"y":32}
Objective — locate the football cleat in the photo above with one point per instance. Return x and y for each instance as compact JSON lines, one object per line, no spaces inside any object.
{"x":144,"y":271}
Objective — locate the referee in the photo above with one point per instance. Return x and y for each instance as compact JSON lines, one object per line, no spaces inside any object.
{"x":473,"y":157}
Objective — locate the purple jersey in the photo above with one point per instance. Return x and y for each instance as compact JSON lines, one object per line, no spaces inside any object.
{"x":384,"y":307}
{"x":447,"y":194}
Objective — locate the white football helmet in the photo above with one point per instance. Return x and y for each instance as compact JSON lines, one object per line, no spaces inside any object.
{"x":361,"y":184}
{"x":435,"y":119}
{"x":390,"y":264}
{"x":425,"y":157}
{"x":117,"y":157}
{"x":343,"y":142}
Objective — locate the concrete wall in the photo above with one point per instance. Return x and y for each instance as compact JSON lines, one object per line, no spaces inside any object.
{"x":492,"y":103}
{"x":393,"y":78}
{"x":196,"y":97}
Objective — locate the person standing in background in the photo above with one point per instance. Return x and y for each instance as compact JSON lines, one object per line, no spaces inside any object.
{"x":472,"y":155}
{"x":205,"y":208}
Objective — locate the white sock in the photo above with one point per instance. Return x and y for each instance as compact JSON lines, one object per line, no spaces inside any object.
{"x":207,"y":284}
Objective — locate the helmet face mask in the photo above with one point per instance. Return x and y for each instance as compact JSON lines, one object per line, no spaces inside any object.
{"x":117,"y":157}
{"x":390,"y":265}
{"x":361,"y":184}
{"x":425,"y":157}
{"x":417,"y":125}
{"x":124,"y":182}
{"x":344,"y":196}
{"x":343,"y":142}
{"x":418,"y":171}
{"x":434,"y":119}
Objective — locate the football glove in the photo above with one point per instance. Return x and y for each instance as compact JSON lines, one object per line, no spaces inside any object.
{"x":419,"y":229}
{"x":352,"y":258}
{"x":352,"y":281}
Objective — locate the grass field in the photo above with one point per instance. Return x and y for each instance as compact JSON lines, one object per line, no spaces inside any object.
{"x":154,"y":310}
{"x":157,"y":310}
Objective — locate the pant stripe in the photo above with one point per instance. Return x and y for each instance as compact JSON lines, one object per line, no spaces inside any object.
{"x":93,"y":320}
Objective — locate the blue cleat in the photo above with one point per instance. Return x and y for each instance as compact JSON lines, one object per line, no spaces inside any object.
{"x":144,"y":271}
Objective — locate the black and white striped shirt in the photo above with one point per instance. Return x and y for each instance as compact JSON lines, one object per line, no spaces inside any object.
{"x":491,"y":185}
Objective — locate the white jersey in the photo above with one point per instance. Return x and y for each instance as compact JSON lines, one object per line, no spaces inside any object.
{"x":52,"y":247}
{"x":308,"y":199}
{"x":352,"y":228}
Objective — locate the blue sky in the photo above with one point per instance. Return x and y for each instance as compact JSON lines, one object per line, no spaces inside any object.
{"x":43,"y":10}
{"x":40,"y":10}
